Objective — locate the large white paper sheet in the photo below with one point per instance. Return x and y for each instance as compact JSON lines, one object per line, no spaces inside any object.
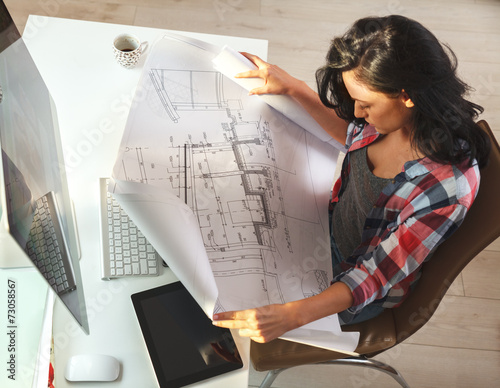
{"x":230,"y":192}
{"x":171,"y":227}
{"x":230,"y":62}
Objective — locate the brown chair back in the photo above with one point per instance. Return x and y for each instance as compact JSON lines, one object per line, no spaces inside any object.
{"x":479,"y":229}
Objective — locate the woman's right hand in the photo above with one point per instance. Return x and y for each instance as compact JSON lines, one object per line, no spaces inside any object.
{"x":277,"y":81}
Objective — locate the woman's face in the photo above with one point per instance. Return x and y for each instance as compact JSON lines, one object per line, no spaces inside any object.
{"x":385,"y":113}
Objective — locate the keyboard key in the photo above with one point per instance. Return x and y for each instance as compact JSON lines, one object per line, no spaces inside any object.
{"x":144,"y":267}
{"x":45,"y":242}
{"x":123,"y":241}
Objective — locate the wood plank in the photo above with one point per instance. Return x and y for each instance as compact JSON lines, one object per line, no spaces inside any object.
{"x":457,"y":287}
{"x":220,"y":6}
{"x":421,"y":366}
{"x":481,"y":276}
{"x":483,"y":77}
{"x":442,"y":15}
{"x":472,"y":46}
{"x":247,"y":24}
{"x":229,"y":21}
{"x":433,"y":366}
{"x":462,"y":322}
{"x":495,"y":245}
{"x":71,"y":9}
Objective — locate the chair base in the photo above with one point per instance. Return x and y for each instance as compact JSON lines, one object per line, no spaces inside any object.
{"x":351,"y":361}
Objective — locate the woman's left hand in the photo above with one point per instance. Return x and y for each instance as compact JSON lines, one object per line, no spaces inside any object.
{"x":261,"y":324}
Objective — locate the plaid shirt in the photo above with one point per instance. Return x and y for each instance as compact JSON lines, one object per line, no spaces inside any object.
{"x":415,"y":213}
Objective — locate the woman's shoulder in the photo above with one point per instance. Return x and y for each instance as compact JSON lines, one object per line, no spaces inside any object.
{"x":444,"y":182}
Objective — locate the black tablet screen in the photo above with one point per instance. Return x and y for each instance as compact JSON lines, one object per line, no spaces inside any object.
{"x":184,"y":345}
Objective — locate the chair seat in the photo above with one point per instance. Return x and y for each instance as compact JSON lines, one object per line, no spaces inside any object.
{"x":376,"y":336}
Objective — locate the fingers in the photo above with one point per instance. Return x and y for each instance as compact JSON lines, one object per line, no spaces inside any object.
{"x":255,"y":59}
{"x":252,"y":323}
{"x":224,"y":315}
{"x":229,"y":324}
{"x":261,"y":72}
{"x":234,"y":319}
{"x":255,"y":335}
{"x":276,"y":80}
{"x":254,"y":74}
{"x":244,"y":327}
{"x":249,"y":74}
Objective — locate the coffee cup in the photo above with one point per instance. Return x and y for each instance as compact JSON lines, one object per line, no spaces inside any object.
{"x":128,"y":49}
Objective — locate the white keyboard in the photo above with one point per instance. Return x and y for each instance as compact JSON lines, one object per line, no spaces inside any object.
{"x":125,"y":250}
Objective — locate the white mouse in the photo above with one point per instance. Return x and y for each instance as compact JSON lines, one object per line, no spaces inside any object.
{"x":92,"y":367}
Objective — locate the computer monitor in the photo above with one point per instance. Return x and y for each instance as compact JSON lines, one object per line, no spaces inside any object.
{"x":33,"y":171}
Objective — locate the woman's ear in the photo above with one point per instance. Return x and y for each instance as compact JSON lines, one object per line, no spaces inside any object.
{"x":406,"y":99}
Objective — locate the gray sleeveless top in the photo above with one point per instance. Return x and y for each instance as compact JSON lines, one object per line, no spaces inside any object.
{"x":349,"y":215}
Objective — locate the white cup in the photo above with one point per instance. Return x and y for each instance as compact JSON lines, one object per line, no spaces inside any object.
{"x":128,"y":49}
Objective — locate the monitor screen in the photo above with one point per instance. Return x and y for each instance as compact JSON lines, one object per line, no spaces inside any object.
{"x":37,"y":202}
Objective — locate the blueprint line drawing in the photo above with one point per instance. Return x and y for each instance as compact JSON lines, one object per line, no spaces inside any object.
{"x":255,"y":185}
{"x":248,"y":217}
{"x":177,"y":90}
{"x":232,"y":193}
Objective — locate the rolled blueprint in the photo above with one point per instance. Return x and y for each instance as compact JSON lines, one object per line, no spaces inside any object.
{"x":230,"y":62}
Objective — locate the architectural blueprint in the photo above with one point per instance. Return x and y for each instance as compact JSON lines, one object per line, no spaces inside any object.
{"x":253,"y":184}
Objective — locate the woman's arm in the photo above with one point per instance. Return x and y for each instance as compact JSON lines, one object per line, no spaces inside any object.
{"x":278,"y":81}
{"x":398,"y":257}
{"x":266,"y":323}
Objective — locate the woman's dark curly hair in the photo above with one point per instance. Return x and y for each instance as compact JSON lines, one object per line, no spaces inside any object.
{"x":391,"y":54}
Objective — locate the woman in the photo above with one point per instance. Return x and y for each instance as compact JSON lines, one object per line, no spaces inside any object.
{"x":389,"y":92}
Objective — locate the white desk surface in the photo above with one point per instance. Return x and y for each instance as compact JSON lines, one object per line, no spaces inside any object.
{"x":92,"y":94}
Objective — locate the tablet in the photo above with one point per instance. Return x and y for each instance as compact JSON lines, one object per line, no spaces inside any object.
{"x":183,"y":344}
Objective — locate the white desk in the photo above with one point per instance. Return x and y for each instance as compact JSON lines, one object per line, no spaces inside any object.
{"x":92,"y":94}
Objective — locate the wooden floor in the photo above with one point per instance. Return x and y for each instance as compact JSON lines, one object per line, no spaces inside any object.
{"x":460,"y":346}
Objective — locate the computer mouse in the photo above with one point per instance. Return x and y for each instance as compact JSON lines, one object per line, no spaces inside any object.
{"x":92,"y":367}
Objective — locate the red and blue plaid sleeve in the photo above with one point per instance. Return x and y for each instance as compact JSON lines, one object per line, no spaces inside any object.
{"x":393,"y":264}
{"x":417,"y":218}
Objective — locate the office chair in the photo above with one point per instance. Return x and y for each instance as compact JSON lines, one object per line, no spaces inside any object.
{"x":480,"y":227}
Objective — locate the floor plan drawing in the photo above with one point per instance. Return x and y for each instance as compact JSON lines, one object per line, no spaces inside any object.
{"x":177,"y":90}
{"x":250,"y":176}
